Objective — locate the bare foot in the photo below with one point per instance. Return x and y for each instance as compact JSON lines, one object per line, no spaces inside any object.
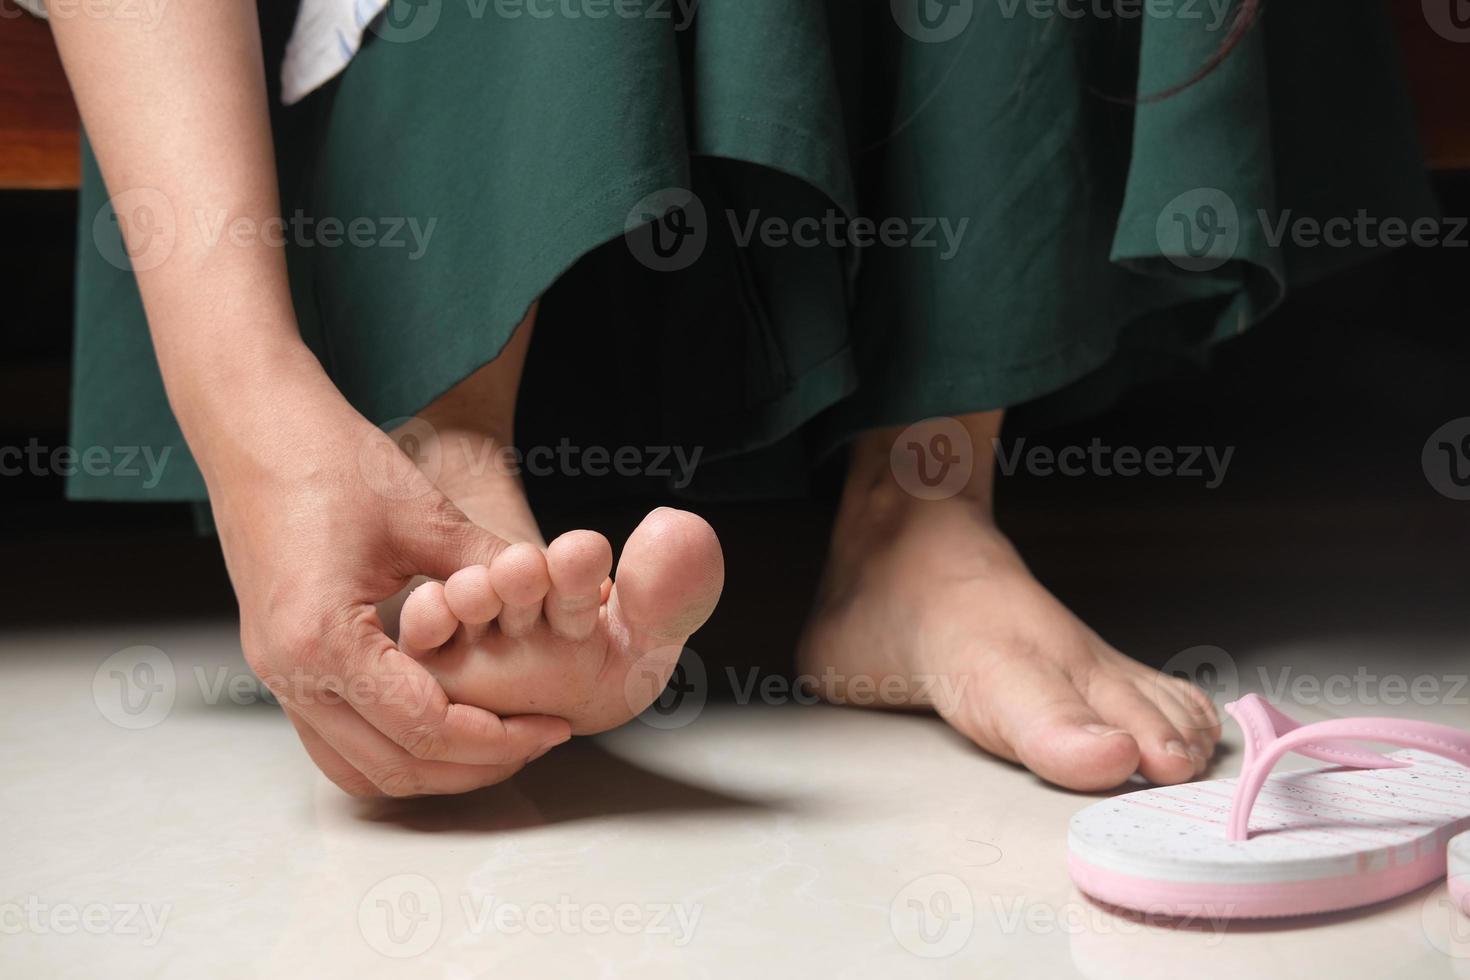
{"x":545,"y":625}
{"x":930,"y":598}
{"x":547,"y":628}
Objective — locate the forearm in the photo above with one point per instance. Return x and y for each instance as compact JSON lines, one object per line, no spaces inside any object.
{"x":178,"y":107}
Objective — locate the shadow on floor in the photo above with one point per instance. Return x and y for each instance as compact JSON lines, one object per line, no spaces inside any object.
{"x":576,"y":781}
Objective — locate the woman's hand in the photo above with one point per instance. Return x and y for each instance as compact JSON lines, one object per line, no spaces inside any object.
{"x":315,"y":529}
{"x":321,"y":517}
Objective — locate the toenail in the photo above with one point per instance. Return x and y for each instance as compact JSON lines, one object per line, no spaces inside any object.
{"x":1177,"y":748}
{"x":1103,"y":730}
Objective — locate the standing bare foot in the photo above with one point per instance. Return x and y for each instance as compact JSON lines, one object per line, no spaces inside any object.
{"x":544,"y":625}
{"x":929,"y":598}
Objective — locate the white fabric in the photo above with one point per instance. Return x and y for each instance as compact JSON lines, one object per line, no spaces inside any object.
{"x":326,"y":36}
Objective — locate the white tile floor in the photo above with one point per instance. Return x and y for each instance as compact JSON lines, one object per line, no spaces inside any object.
{"x":757,"y":841}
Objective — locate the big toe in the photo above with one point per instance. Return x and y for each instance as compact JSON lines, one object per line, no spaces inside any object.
{"x":1047,"y":726}
{"x":668,"y":581}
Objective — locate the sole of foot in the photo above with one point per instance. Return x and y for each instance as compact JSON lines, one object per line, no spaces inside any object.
{"x":547,"y":631}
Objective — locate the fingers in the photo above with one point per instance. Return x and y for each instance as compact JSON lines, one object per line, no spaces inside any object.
{"x":382,"y":725}
{"x":401,"y":699}
{"x":364,"y":762}
{"x":437,"y":540}
{"x":329,"y":760}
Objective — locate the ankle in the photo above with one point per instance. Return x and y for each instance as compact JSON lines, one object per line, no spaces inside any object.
{"x":479,"y":413}
{"x":472,"y":462}
{"x":878,"y":498}
{"x":478,"y":470}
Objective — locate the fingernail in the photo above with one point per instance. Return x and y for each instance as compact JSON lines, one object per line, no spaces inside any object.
{"x":1102,"y":731}
{"x":1177,"y":748}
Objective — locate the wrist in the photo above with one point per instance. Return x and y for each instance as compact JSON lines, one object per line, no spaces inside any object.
{"x":268,"y":409}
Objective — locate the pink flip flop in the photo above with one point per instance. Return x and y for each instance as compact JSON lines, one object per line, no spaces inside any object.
{"x":1366,"y":828}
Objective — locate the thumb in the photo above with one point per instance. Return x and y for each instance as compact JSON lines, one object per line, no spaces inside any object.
{"x":436,"y":539}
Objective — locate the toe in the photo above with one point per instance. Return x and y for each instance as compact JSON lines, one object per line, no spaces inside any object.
{"x":520,"y":579}
{"x":669,"y":578}
{"x":426,"y":622}
{"x":1201,"y":715}
{"x":578,"y":563}
{"x":1164,"y":751}
{"x":471,"y":595}
{"x":1042,"y":721}
{"x":1195,"y":718}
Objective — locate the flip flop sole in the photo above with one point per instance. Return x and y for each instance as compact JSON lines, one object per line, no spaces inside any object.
{"x":1201,"y":900}
{"x":1324,"y":839}
{"x":1459,"y":872}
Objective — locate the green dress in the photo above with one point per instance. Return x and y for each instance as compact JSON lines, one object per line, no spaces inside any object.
{"x":768,"y":228}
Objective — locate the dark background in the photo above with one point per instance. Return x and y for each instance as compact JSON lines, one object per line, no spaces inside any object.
{"x":1325,"y":508}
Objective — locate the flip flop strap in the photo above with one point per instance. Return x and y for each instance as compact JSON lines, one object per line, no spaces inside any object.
{"x":1270,"y":734}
